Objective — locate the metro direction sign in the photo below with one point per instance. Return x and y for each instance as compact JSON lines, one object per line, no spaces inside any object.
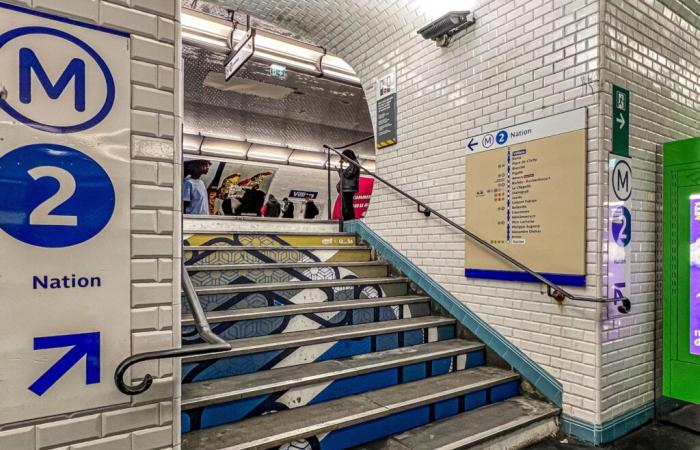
{"x":64,"y":214}
{"x":621,"y":122}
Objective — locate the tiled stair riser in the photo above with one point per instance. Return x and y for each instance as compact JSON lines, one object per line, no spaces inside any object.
{"x":258,"y":276}
{"x":288,"y":324}
{"x":274,"y":255}
{"x":210,"y":416}
{"x":270,"y":240}
{"x":238,"y":365}
{"x":221,"y":302}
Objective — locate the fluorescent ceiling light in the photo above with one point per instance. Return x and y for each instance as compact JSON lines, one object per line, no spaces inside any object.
{"x":284,"y":60}
{"x":341,"y":76}
{"x":224,"y":147}
{"x":199,"y":40}
{"x":268,"y":153}
{"x":213,"y":33}
{"x":307,"y":158}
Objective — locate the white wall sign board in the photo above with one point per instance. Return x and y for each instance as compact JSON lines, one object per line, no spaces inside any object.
{"x":64,"y":214}
{"x":619,"y":234}
{"x":526,"y":195}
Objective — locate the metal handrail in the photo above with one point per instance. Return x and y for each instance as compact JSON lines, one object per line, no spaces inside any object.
{"x":214,"y":344}
{"x":553,"y":290}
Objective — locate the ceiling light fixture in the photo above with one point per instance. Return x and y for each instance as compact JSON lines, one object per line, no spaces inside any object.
{"x":218,"y":35}
{"x":443,"y":29}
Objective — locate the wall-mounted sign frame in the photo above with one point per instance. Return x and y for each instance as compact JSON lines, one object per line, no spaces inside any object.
{"x":386,"y":117}
{"x":526,"y":195}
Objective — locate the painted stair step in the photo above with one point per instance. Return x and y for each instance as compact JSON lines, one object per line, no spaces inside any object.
{"x":251,"y":322}
{"x":212,"y":403}
{"x":309,"y":337}
{"x":259,"y":240}
{"x":297,"y":285}
{"x":297,"y":348}
{"x":292,"y":310}
{"x":270,"y":266}
{"x":250,"y":248}
{"x":257,"y":255}
{"x":355,"y":419}
{"x":479,"y":426}
{"x":196,"y":395}
{"x":262,"y":273}
{"x":265,"y":298}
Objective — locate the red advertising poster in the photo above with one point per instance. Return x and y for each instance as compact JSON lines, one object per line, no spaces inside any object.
{"x":360,"y":201}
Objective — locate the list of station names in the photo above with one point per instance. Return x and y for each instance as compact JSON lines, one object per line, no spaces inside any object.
{"x":521,"y":196}
{"x":529,"y":200}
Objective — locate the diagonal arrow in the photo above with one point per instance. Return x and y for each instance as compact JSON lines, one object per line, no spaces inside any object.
{"x":621,"y":121}
{"x":472,"y":143}
{"x":84,"y":344}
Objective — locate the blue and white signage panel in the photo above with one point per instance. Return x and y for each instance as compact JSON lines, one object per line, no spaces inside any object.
{"x":528,"y":131}
{"x":64,"y":214}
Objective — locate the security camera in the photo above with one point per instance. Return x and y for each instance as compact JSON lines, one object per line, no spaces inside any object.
{"x":443,"y":29}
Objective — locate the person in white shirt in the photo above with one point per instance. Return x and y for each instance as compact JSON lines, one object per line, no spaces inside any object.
{"x":194,"y":192}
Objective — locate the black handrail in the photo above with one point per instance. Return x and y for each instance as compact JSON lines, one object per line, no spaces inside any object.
{"x":553,"y":290}
{"x":214,"y":344}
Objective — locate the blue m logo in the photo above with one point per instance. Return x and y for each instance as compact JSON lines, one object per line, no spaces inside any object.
{"x":28,"y":63}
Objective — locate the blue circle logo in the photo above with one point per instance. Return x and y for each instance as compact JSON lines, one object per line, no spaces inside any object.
{"x":53,"y":196}
{"x":56,"y":89}
{"x":501,"y":137}
{"x":621,"y":226}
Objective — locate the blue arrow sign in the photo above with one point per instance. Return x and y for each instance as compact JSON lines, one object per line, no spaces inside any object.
{"x":84,"y":344}
{"x":472,"y":143}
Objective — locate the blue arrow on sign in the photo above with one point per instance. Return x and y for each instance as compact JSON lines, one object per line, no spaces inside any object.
{"x":84,"y":344}
{"x":472,"y":143}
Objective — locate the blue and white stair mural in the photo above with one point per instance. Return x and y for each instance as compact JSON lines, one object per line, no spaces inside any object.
{"x":331,"y":349}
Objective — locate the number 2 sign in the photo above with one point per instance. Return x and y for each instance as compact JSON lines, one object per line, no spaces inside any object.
{"x":56,"y":196}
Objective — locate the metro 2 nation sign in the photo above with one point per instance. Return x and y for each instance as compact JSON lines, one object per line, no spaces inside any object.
{"x":64,"y":214}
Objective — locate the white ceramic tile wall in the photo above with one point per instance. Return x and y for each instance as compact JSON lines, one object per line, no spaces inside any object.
{"x":157,"y":113}
{"x":522,"y":60}
{"x":655,"y":53}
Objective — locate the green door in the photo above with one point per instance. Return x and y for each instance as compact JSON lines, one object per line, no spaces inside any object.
{"x":681,"y":322}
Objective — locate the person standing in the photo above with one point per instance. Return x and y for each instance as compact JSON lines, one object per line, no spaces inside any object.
{"x":287,"y":209}
{"x":349,"y":184}
{"x":272,"y":208}
{"x":310,"y":210}
{"x":194,"y":193}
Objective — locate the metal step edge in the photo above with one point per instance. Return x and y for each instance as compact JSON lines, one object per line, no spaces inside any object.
{"x":247,"y":248}
{"x":259,"y":344}
{"x":235,"y":315}
{"x":271,"y":233}
{"x":221,"y":391}
{"x":270,"y":266}
{"x":295,"y":285}
{"x":269,"y":430}
{"x":453,"y":428}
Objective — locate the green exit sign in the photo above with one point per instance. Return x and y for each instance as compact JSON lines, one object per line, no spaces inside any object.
{"x":621,"y":122}
{"x":278,"y":71}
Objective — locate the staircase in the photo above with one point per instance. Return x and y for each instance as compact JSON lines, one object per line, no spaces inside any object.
{"x":331,"y":349}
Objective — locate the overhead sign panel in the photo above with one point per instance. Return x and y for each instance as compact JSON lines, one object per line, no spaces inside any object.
{"x":64,"y":214}
{"x":240,"y":55}
{"x":526,"y":195}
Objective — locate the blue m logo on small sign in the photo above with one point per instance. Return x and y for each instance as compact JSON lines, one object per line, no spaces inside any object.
{"x":28,"y":63}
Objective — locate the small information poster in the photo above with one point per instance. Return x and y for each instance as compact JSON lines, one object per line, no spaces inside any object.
{"x":525,"y":194}
{"x":694,"y":274}
{"x":386,"y":111}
